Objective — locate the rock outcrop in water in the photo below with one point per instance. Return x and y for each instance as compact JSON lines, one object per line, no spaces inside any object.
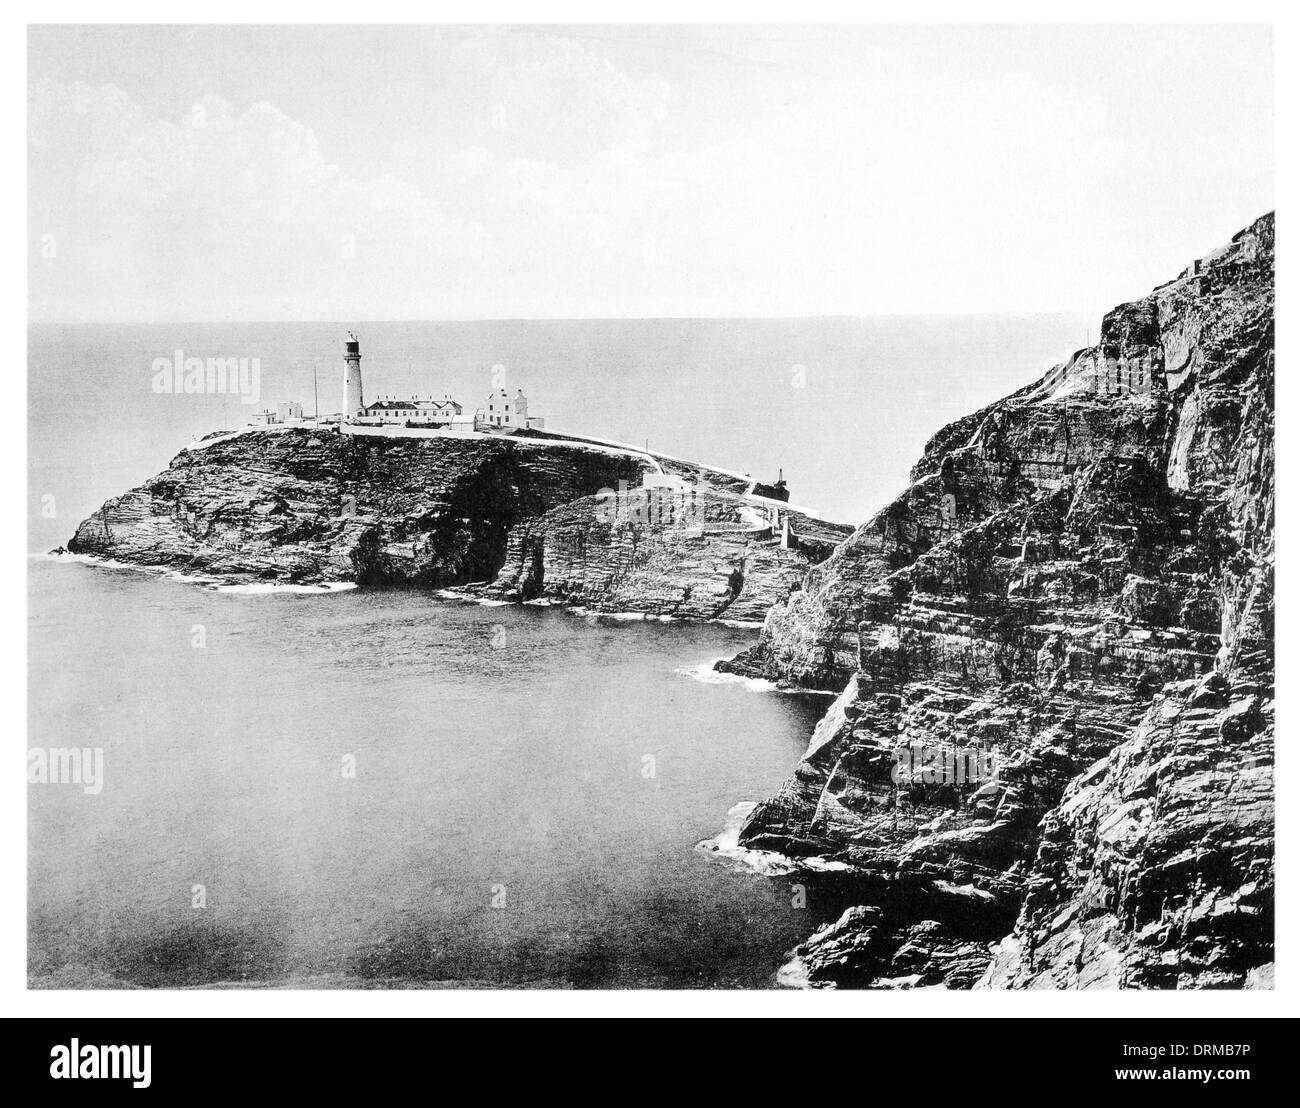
{"x":524,"y":519}
{"x":1050,"y":760}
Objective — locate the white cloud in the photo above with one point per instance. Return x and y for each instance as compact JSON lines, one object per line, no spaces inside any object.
{"x":566,"y":179}
{"x":553,"y":99}
{"x":222,"y":211}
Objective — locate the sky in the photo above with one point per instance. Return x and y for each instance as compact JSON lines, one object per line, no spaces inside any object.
{"x":362,"y":173}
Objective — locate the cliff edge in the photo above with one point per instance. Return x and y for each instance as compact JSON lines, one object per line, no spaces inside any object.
{"x":1050,"y":761}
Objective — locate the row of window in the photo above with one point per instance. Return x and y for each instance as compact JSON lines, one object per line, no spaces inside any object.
{"x":409,"y":411}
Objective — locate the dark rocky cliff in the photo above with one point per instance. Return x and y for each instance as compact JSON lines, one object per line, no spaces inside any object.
{"x":524,"y":519}
{"x":304,"y":505}
{"x":1077,"y":589}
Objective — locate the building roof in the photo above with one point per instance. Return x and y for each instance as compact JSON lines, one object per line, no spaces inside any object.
{"x":390,"y":405}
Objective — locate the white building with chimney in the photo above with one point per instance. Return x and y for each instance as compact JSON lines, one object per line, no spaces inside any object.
{"x":509,"y":412}
{"x":423,"y":411}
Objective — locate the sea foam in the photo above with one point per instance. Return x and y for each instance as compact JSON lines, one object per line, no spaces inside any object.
{"x":768,"y":863}
{"x":270,"y":587}
{"x":705,"y":672}
{"x":213,"y":584}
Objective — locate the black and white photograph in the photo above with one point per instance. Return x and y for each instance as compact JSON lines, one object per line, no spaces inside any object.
{"x":649,"y":514}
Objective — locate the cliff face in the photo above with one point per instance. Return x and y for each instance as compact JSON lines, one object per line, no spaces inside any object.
{"x":532,"y":520}
{"x":1066,"y":622}
{"x":706,"y":554}
{"x":305,"y":505}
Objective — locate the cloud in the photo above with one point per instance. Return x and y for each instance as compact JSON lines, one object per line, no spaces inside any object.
{"x":553,"y":99}
{"x":219,"y":211}
{"x":487,"y":172}
{"x":223,"y":212}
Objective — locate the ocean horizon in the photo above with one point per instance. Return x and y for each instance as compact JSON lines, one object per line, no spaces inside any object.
{"x":766,"y":395}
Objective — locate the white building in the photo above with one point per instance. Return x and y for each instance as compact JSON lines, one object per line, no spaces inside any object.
{"x":287,"y":411}
{"x":420,"y":410}
{"x":467,"y":421}
{"x":506,"y":411}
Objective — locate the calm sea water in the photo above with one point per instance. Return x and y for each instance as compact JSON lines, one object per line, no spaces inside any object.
{"x":528,"y":784}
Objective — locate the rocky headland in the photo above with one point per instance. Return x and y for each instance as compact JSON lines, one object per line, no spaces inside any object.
{"x":1073,"y":603}
{"x":500,"y":516}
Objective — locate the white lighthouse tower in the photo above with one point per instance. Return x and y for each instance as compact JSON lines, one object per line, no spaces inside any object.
{"x":353,"y":401}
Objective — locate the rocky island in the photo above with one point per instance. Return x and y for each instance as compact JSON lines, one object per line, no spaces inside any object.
{"x":509,"y":516}
{"x":1075,"y":594}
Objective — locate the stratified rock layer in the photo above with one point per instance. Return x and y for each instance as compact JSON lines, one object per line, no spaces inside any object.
{"x":1074,"y":598}
{"x":701,"y":554}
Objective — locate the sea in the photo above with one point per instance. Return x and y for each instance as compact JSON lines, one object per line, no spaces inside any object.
{"x":393,"y":788}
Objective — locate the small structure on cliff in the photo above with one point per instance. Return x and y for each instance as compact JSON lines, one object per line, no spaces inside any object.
{"x":287,"y":411}
{"x":776,"y":490}
{"x":510,"y":412}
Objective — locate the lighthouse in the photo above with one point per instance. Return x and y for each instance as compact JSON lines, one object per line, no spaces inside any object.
{"x":353,"y":401}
